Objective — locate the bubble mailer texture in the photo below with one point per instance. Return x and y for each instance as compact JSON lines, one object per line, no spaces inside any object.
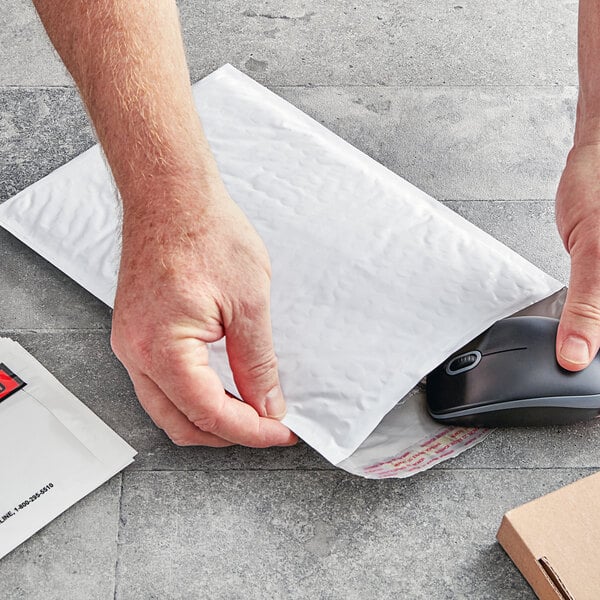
{"x":374,"y":282}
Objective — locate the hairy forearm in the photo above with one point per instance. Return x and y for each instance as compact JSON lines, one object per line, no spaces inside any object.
{"x":127,"y":58}
{"x":588,"y":106}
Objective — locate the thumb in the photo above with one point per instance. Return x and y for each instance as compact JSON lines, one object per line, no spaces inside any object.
{"x":253,"y":362}
{"x":578,"y":336}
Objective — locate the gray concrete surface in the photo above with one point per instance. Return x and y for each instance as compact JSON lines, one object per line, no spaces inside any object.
{"x":73,"y":557}
{"x":472,"y":100}
{"x":310,"y":42}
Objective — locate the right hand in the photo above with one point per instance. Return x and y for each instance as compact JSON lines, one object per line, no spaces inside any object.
{"x":193,"y":270}
{"x":578,"y":220}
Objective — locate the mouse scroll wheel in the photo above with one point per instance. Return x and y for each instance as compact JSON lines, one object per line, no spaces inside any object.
{"x":463,"y":363}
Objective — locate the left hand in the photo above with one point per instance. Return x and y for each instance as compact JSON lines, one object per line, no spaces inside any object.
{"x":578,"y":221}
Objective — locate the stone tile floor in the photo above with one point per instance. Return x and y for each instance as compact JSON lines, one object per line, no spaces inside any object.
{"x":472,"y":100}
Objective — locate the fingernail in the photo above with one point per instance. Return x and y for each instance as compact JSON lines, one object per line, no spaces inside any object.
{"x":275,"y":404}
{"x":575,"y":350}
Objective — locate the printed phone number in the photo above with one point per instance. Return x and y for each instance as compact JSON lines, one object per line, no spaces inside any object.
{"x":11,"y":513}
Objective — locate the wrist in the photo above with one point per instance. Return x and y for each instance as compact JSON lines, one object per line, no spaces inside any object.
{"x":169,"y":208}
{"x":587,"y":126}
{"x":587,"y":133}
{"x":184,"y":179}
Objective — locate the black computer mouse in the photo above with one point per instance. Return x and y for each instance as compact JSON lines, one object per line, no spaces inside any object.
{"x":509,"y":375}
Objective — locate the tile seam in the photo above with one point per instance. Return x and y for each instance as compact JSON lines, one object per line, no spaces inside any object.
{"x":118,"y":537}
{"x":342,"y":472}
{"x":345,"y":85}
{"x":33,"y":330}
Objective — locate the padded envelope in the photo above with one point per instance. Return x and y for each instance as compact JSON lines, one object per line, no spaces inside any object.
{"x":374,"y":282}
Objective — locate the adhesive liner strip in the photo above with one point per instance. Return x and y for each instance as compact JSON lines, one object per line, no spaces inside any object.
{"x":374,"y":282}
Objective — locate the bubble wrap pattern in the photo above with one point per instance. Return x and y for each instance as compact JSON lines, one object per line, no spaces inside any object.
{"x":374,"y":282}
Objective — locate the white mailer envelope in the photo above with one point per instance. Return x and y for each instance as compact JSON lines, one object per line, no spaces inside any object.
{"x":55,"y":450}
{"x":374,"y":282}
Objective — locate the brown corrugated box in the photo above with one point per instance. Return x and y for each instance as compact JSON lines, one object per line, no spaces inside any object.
{"x":555,"y":541}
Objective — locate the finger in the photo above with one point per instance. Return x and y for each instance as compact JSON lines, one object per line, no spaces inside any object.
{"x":195,"y":389}
{"x":253,"y":362}
{"x":168,"y":418}
{"x":578,"y":337}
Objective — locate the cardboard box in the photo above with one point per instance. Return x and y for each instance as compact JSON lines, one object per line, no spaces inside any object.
{"x":555,"y":541}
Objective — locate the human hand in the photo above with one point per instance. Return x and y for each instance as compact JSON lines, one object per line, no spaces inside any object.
{"x":193,"y":270}
{"x":578,"y":220}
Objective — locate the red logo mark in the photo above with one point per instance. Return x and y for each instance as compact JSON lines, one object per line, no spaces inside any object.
{"x":9,"y":382}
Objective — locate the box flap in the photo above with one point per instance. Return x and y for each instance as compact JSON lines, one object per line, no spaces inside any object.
{"x":555,"y":541}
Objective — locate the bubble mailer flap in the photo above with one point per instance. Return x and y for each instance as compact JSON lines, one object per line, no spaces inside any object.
{"x":374,"y":282}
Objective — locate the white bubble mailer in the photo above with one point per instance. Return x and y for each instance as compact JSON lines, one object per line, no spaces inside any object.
{"x":374,"y":282}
